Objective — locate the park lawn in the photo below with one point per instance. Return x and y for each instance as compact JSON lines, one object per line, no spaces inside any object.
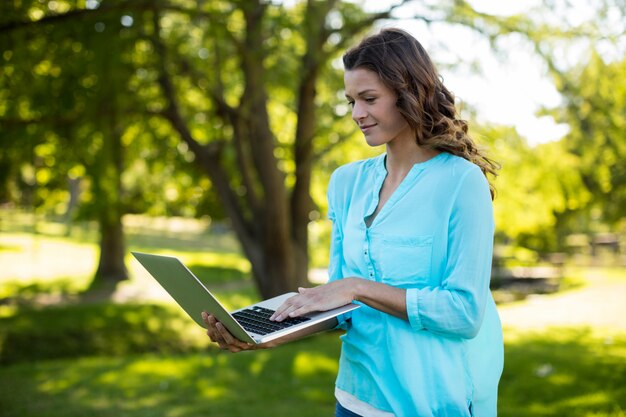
{"x":563,"y":371}
{"x":296,"y":379}
{"x":168,"y":369}
{"x":559,"y":372}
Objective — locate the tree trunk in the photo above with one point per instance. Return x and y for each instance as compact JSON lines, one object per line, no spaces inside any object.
{"x":108,"y":172}
{"x":111,"y":268}
{"x":270,"y":219}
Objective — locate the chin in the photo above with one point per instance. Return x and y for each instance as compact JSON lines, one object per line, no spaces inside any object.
{"x":374,"y":142}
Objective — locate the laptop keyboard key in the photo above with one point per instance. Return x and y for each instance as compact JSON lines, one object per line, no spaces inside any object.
{"x":257,"y":320}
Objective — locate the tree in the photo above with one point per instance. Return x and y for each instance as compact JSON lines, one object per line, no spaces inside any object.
{"x":70,"y":110}
{"x":85,"y":64}
{"x":595,"y":110}
{"x":249,"y":86}
{"x":269,"y":206}
{"x":582,"y":46}
{"x":587,"y":64}
{"x":537,"y":189}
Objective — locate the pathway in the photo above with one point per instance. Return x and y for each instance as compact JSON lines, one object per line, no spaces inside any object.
{"x":600,"y":303}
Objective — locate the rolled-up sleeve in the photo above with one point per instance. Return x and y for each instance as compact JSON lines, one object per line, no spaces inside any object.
{"x":456,"y":307}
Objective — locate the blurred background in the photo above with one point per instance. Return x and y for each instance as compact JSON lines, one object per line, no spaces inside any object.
{"x":208,"y":130}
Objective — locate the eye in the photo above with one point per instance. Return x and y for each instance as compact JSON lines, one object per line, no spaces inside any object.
{"x":351,"y":103}
{"x":370,"y":99}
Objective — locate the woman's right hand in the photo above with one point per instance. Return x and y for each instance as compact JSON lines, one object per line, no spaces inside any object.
{"x":218,"y":333}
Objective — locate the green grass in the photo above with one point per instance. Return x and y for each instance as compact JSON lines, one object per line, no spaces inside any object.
{"x":52,"y":264}
{"x":95,"y":329}
{"x":559,"y":372}
{"x":296,"y":379}
{"x":564,"y":372}
{"x":145,"y":358}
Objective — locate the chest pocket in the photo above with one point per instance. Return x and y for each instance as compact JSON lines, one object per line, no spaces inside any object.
{"x":405,"y":260}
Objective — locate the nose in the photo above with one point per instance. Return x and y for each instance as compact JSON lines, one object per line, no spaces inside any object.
{"x":358,"y":111}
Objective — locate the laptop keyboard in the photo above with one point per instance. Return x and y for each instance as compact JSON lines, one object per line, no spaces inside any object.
{"x":257,"y":320}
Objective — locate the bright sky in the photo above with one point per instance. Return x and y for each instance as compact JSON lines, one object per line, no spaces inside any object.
{"x":510,"y":88}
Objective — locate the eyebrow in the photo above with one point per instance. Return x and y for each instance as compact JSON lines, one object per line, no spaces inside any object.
{"x":362,"y":93}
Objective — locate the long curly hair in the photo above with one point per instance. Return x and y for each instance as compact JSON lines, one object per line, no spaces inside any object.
{"x":427,"y":105}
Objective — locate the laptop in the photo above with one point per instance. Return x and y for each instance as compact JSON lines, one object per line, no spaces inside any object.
{"x":249,"y":324}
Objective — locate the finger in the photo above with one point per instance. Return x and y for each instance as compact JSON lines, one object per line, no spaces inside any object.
{"x":234,"y":344}
{"x":282,"y":315}
{"x":308,"y":301}
{"x":206,"y":320}
{"x":215,"y":338}
{"x":214,"y":333}
{"x":210,"y":322}
{"x":229,"y":338}
{"x":210,"y":329}
{"x":280,"y":311}
{"x":226,"y":341}
{"x":305,"y":309}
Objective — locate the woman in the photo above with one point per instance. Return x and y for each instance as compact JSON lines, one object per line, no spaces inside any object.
{"x":412,"y":242}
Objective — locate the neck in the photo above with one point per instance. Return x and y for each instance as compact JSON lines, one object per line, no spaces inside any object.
{"x":402,"y":156}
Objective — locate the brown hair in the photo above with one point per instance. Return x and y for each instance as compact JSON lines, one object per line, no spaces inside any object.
{"x":427,"y":105}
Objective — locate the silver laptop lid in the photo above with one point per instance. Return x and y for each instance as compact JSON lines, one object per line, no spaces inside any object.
{"x":189,"y":292}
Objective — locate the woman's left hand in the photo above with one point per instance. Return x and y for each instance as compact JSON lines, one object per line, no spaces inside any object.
{"x":322,"y":298}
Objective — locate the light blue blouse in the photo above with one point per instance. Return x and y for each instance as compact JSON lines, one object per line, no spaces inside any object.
{"x":433,"y":237}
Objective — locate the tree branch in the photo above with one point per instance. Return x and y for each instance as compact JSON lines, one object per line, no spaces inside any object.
{"x":52,"y":120}
{"x":324,"y":151}
{"x":348,"y":32}
{"x":253,"y":120}
{"x":127,"y":5}
{"x":230,"y":114}
{"x":207,"y":156}
{"x":75,"y":14}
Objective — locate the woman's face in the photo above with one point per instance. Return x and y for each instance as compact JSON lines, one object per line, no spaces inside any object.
{"x":374,"y":108}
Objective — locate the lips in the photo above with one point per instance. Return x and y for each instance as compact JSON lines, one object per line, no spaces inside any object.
{"x":366,"y":128}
